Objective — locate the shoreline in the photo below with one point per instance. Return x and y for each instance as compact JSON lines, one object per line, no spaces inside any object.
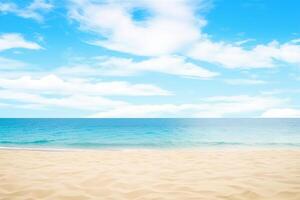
{"x":213,"y":148}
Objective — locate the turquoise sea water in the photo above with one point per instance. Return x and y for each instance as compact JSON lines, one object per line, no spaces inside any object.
{"x":149,"y":133}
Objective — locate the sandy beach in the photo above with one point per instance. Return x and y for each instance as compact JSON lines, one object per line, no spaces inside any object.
{"x":150,"y":174}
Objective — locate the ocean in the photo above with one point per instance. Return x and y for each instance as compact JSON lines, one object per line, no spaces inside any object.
{"x":148,"y":133}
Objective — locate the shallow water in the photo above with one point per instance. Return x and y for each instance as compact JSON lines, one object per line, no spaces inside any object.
{"x":149,"y":133}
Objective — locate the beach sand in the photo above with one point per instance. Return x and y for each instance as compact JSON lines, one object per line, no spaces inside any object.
{"x":150,"y":174}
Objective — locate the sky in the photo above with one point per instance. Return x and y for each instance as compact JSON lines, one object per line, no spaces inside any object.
{"x":149,"y":58}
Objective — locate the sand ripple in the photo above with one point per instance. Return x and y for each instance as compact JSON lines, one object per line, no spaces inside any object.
{"x":151,"y":174}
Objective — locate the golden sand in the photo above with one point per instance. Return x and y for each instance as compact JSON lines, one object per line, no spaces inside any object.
{"x":150,"y":174}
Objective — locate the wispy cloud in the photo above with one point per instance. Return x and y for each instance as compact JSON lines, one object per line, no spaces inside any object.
{"x":244,"y":81}
{"x":116,"y":66}
{"x":281,"y":113}
{"x":34,"y":10}
{"x":235,"y":56}
{"x":54,"y":85}
{"x":15,"y":40}
{"x":10,"y":64}
{"x":241,"y":42}
{"x":77,"y":102}
{"x":210,"y":107}
{"x":53,"y":92}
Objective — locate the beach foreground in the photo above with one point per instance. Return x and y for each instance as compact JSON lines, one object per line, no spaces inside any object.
{"x":150,"y":174}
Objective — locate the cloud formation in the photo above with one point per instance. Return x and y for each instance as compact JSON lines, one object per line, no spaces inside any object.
{"x":282,"y":113}
{"x":173,"y":27}
{"x":52,"y":84}
{"x":235,"y":56}
{"x":219,"y":106}
{"x":76,"y":102}
{"x":244,"y":81}
{"x":144,"y":38}
{"x":15,"y":40}
{"x":170,"y":27}
{"x":34,"y":10}
{"x":10,"y":64}
{"x":116,"y":66}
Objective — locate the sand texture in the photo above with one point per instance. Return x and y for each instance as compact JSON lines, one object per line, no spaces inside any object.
{"x":150,"y":174}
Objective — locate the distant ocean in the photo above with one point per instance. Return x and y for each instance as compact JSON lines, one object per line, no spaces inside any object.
{"x":148,"y":133}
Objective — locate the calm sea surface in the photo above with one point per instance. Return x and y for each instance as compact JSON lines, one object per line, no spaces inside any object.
{"x":149,"y":133}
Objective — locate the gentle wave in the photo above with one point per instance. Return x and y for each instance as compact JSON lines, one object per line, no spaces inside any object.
{"x":27,"y":142}
{"x":96,"y":145}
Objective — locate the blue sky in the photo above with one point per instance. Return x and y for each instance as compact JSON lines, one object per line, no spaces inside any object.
{"x":149,"y":58}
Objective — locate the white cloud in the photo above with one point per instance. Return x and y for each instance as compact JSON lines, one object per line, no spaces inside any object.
{"x":282,"y":91}
{"x":236,"y":56}
{"x":174,"y":65}
{"x":52,"y":92}
{"x":11,"y":67}
{"x":76,"y":102}
{"x":241,"y":42}
{"x":52,"y":84}
{"x":282,"y":113}
{"x":114,"y":66}
{"x":171,"y":26}
{"x":9,"y":64}
{"x":32,"y":11}
{"x":14,"y":40}
{"x":211,"y":107}
{"x":288,"y":52}
{"x":244,"y":81}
